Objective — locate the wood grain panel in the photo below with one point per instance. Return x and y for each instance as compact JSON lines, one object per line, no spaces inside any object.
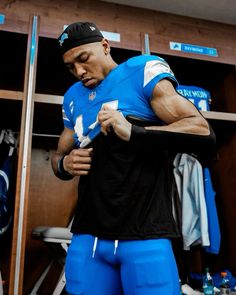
{"x":226,"y":54}
{"x":129,"y":21}
{"x":51,"y":203}
{"x":9,"y":94}
{"x":224,"y":175}
{"x":23,"y":173}
{"x":18,"y":180}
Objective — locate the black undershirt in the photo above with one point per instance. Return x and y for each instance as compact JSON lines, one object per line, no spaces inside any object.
{"x":127,"y":194}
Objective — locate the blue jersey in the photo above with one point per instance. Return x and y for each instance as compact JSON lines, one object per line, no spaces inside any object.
{"x":127,"y":88}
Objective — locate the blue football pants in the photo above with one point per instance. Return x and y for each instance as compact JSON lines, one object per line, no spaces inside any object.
{"x":138,"y":267}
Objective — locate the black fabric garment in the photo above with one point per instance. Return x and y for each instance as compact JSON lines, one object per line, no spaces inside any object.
{"x":202,"y":147}
{"x":127,"y":194}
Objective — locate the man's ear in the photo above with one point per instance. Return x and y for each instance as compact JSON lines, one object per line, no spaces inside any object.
{"x":106,"y":46}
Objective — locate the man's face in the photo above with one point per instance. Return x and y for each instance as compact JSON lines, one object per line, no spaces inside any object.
{"x":88,"y":62}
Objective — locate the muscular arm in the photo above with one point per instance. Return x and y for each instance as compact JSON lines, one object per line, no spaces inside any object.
{"x":74,"y":161}
{"x":185,"y":129}
{"x":179,"y":114}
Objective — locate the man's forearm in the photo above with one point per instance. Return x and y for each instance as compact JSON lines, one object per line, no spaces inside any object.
{"x":190,"y":125}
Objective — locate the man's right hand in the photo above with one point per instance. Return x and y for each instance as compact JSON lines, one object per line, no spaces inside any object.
{"x":78,"y":161}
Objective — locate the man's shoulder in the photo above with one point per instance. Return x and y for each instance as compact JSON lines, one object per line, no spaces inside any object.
{"x":141,"y":60}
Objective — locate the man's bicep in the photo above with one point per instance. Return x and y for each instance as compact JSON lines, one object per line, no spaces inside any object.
{"x":168,"y":105}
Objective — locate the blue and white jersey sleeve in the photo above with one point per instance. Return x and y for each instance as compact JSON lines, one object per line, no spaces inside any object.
{"x":67,"y":111}
{"x":155,"y":70}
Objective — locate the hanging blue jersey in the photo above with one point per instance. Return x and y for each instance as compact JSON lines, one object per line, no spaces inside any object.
{"x":198,"y":96}
{"x":127,"y":88}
